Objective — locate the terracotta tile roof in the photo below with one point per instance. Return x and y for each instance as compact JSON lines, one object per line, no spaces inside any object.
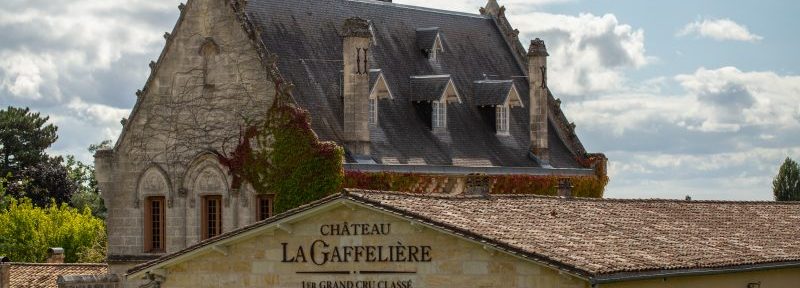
{"x":600,"y":237}
{"x":26,"y":275}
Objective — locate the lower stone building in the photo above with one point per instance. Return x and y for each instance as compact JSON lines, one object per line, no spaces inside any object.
{"x":369,"y":239}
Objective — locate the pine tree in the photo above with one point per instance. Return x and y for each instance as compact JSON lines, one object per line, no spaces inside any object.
{"x":786,"y":185}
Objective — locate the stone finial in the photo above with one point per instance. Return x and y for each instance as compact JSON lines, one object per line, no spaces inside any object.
{"x":356,"y":27}
{"x":537,"y":48}
{"x":181,"y":6}
{"x":491,"y":8}
{"x":167,"y":35}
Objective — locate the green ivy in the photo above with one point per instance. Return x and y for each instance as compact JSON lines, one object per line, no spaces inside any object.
{"x":284,"y":156}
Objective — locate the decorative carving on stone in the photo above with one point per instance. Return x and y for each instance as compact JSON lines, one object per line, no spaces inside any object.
{"x":167,"y":35}
{"x":154,"y":182}
{"x":136,"y":202}
{"x":356,"y":27}
{"x":182,"y":192}
{"x":209,"y":181}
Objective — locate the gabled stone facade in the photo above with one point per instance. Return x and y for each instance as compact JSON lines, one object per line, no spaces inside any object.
{"x":208,"y":84}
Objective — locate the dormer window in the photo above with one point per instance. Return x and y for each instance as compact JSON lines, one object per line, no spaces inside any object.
{"x":438,"y":114}
{"x":373,"y":111}
{"x":432,"y":93}
{"x":379,"y":89}
{"x":501,"y":113}
{"x":429,"y":41}
{"x":499,"y":96}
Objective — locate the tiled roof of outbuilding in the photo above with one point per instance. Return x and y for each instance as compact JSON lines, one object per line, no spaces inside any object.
{"x":28,"y":275}
{"x":605,"y":237}
{"x":305,"y":35}
{"x":599,"y":239}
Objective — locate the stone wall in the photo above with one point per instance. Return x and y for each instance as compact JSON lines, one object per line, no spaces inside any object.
{"x":206,"y":88}
{"x":259,"y":261}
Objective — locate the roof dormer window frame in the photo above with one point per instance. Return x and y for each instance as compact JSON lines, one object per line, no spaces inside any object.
{"x":438,"y":48}
{"x":502,"y":119}
{"x":450,"y":94}
{"x":429,"y":40}
{"x":380,"y":90}
{"x":439,"y":114}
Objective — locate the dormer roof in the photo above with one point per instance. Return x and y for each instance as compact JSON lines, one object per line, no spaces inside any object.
{"x":434,"y":88}
{"x":496,"y":93}
{"x":429,"y":39}
{"x":379,"y":88}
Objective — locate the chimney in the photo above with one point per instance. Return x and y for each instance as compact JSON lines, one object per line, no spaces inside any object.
{"x":537,"y":78}
{"x":565,"y":188}
{"x":355,"y":48}
{"x":477,"y":185}
{"x":55,"y":255}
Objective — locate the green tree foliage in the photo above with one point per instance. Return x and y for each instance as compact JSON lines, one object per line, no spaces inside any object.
{"x":27,"y":231}
{"x":43,"y":182}
{"x":786,"y":185}
{"x":86,"y":195}
{"x":23,"y":138}
{"x":4,"y":199}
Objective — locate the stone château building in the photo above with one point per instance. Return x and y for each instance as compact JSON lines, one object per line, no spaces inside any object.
{"x":403,"y":89}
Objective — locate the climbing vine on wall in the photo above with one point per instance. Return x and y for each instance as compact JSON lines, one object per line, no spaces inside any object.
{"x":582,"y":186}
{"x":284,"y":156}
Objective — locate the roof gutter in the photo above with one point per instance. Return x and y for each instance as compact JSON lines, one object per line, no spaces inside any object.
{"x":632,"y":276}
{"x":462,"y":170}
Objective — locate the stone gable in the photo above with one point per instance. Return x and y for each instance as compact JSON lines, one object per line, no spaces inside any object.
{"x":205,"y":88}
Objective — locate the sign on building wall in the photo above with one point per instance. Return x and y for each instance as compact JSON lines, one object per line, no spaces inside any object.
{"x":339,"y":265}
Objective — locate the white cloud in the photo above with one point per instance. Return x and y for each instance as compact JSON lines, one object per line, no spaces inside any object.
{"x":588,"y":53}
{"x":79,"y":61}
{"x":23,"y":74}
{"x":732,"y":97}
{"x":720,"y":30}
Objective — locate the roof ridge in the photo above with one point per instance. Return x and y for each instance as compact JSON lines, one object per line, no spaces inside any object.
{"x":58,"y":264}
{"x":420,"y":8}
{"x":523,"y":196}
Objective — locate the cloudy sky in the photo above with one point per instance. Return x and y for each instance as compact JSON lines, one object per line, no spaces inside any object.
{"x":686,"y":97}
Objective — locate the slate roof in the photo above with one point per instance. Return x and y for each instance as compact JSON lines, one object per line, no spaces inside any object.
{"x":492,"y":92}
{"x":305,"y":35}
{"x":601,"y":240}
{"x":28,"y":275}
